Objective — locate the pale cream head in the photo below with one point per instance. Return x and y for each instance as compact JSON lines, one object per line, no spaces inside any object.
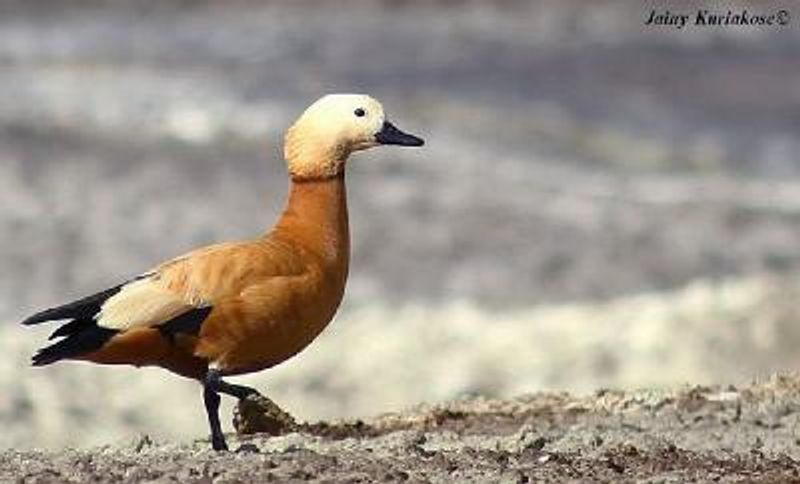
{"x":319,"y":142}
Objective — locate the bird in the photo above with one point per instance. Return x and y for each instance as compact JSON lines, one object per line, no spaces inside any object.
{"x":244,"y":306}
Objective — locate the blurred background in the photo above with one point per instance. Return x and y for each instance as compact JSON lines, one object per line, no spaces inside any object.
{"x":599,"y":204}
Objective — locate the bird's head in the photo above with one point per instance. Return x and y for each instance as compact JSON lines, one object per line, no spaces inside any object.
{"x":319,"y":142}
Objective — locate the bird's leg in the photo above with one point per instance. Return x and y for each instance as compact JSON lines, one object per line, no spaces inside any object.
{"x":213,"y":385}
{"x":255,"y":413}
{"x":215,"y":381}
{"x":211,"y":399}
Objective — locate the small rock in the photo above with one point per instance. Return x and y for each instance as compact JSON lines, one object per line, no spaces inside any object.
{"x":144,"y":441}
{"x":248,"y":448}
{"x":258,"y":414}
{"x":536,"y":444}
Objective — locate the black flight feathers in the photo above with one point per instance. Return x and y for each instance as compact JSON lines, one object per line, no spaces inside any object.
{"x":82,"y":335}
{"x":84,"y":308}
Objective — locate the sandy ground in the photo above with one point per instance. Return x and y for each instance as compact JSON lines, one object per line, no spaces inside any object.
{"x":721,"y":434}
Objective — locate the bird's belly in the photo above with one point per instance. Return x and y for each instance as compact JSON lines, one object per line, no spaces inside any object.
{"x":246,"y":343}
{"x":147,"y":347}
{"x":264,"y":349}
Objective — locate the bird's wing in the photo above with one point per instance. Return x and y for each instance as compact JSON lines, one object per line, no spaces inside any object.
{"x":194,"y":281}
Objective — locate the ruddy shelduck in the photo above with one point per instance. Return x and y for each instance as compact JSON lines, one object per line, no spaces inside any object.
{"x":239,"y":307}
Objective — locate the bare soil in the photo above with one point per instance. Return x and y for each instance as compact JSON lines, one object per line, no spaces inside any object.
{"x":724,"y":434}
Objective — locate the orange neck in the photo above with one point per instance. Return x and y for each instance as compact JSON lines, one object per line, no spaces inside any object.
{"x":316,"y":218}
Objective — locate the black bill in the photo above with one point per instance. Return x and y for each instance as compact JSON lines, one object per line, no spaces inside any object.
{"x":390,"y":135}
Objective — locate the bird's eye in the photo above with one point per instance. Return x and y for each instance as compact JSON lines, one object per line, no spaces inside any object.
{"x":360,"y":112}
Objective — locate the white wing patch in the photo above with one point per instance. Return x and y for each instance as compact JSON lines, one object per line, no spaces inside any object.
{"x":141,"y":303}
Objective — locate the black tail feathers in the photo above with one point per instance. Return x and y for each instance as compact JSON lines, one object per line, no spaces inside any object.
{"x":84,"y":341}
{"x":80,"y":333}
